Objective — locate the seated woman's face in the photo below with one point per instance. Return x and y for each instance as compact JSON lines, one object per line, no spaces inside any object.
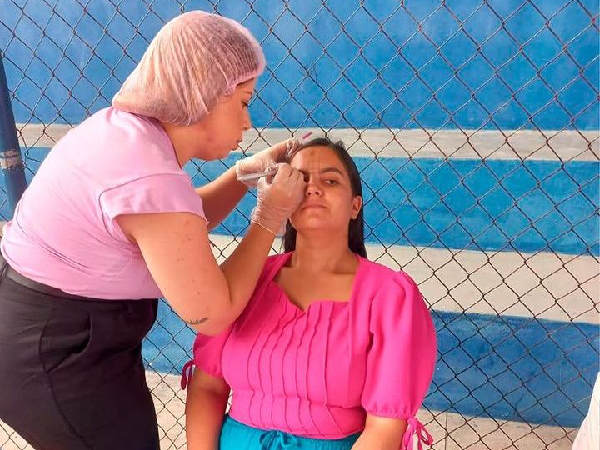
{"x":328,"y":202}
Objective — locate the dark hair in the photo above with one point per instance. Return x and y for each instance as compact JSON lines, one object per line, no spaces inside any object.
{"x":356,"y":239}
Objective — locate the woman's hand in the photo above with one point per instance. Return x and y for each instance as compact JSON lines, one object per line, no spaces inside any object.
{"x":264,"y":161}
{"x":277,"y":200}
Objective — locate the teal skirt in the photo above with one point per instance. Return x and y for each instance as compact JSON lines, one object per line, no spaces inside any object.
{"x":237,"y":436}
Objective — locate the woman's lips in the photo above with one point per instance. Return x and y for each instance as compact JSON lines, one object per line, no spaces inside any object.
{"x":314,"y":205}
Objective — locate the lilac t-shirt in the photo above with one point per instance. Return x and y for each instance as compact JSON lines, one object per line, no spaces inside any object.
{"x":64,"y":232}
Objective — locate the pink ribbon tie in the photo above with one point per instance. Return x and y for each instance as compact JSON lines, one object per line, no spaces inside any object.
{"x":415,"y":428}
{"x":186,"y":373}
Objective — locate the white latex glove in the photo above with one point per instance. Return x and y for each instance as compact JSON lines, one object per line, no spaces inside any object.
{"x":264,"y":163}
{"x":277,"y":200}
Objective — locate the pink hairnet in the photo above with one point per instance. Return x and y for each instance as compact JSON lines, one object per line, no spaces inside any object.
{"x":194,"y":60}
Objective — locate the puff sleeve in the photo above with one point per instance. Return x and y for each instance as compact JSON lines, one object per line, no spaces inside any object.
{"x":207,"y":351}
{"x":401,"y":357}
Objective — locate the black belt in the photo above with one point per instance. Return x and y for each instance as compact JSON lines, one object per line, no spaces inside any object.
{"x":15,"y":276}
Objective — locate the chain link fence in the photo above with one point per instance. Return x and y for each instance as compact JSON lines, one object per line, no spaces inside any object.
{"x":475,"y":127}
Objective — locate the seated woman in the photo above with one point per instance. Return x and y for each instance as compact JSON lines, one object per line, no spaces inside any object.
{"x":332,"y":352}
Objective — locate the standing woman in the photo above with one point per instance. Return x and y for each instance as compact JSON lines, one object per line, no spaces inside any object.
{"x":111,"y":222}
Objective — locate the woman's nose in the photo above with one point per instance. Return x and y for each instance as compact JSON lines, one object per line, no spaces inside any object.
{"x":312,"y":186}
{"x":247,"y":120}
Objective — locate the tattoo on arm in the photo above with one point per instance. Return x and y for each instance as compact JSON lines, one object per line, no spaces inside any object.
{"x":195,"y":321}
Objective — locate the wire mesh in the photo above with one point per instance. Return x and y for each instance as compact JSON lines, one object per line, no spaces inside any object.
{"x":474,"y":125}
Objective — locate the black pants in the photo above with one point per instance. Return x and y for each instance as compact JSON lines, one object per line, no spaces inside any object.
{"x":71,"y":372}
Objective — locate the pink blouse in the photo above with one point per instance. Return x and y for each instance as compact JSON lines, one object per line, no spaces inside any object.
{"x":317,"y":373}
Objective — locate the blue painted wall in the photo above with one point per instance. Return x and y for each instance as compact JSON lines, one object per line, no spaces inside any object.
{"x":504,"y":205}
{"x":502,"y":68}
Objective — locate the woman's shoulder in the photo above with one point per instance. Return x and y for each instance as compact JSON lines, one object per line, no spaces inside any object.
{"x":118,"y":134}
{"x":377,"y":278}
{"x":270,"y":268}
{"x":112,"y":124}
{"x":377,"y":272}
{"x":120,"y":147}
{"x":273,"y":264}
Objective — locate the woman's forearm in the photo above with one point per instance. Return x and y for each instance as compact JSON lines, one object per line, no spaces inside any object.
{"x":244,"y":266}
{"x":204,"y":414}
{"x":376,"y":441}
{"x":381,"y":434}
{"x":220,"y":196}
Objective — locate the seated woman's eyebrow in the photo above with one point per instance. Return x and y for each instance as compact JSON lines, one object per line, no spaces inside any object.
{"x":306,"y":173}
{"x":323,"y":170}
{"x":331,"y":169}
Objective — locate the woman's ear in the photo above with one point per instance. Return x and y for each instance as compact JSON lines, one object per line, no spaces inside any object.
{"x":357,"y":202}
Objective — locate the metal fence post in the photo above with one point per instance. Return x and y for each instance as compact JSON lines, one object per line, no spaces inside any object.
{"x":11,"y":161}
